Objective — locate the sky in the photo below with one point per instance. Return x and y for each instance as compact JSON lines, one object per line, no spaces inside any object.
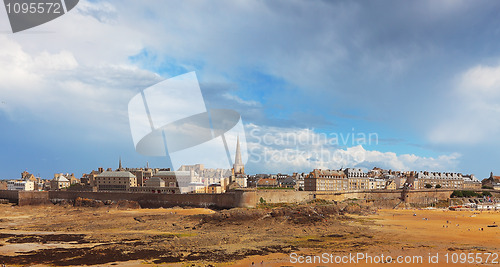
{"x":411,"y":85}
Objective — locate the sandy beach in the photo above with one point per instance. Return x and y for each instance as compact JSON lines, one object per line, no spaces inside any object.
{"x":79,"y":236}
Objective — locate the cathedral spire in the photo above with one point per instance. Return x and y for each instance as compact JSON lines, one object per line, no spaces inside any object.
{"x":238,"y":167}
{"x":237,"y":159}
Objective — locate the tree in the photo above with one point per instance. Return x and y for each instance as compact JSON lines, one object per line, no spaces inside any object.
{"x":428,"y":186}
{"x":457,"y":193}
{"x":438,"y":186}
{"x":486,"y":194}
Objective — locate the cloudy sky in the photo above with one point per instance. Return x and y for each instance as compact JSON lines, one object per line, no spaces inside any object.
{"x":411,"y":85}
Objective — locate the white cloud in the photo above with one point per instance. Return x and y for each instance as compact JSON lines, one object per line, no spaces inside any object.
{"x":471,"y":115}
{"x":61,"y":61}
{"x":238,"y":100}
{"x":276,"y":149}
{"x":56,"y":88}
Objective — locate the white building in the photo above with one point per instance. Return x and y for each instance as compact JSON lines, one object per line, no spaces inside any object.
{"x":21,"y":185}
{"x":204,"y":175}
{"x":355,"y":173}
{"x":375,"y":183}
{"x":196,"y":187}
{"x":59,"y":182}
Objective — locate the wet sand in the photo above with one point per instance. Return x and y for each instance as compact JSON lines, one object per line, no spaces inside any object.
{"x":144,"y":236}
{"x":419,"y":235}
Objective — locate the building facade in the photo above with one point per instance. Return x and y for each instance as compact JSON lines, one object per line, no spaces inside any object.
{"x":59,"y":182}
{"x":115,"y":181}
{"x":326,"y":180}
{"x":20,"y":185}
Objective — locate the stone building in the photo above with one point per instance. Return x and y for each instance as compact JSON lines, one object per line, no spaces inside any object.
{"x":492,"y":181}
{"x":59,"y":182}
{"x":441,"y":180}
{"x":267,"y":182}
{"x":326,"y":180}
{"x":115,"y":181}
{"x":155,"y":185}
{"x":471,"y":182}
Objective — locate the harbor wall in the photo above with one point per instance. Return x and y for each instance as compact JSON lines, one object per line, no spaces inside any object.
{"x":238,"y":198}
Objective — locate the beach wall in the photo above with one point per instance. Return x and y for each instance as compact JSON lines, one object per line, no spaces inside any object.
{"x":10,"y":195}
{"x":33,"y":198}
{"x":238,"y":198}
{"x":151,"y":200}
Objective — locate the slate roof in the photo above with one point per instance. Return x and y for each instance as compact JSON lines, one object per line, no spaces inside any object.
{"x":117,"y":174}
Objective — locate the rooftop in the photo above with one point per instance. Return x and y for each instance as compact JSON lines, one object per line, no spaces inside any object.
{"x":123,"y":174}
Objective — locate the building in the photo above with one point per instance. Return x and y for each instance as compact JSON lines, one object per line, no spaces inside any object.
{"x":115,"y":181}
{"x":492,"y":182}
{"x":377,"y":183}
{"x":267,"y":182}
{"x":357,"y":179}
{"x":214,"y":189}
{"x":37,"y":181}
{"x":155,"y":185}
{"x":390,"y":184}
{"x":238,"y":166}
{"x":20,"y":185}
{"x":326,"y":180}
{"x":207,"y":176}
{"x":471,"y":182}
{"x":355,"y":173}
{"x":253,"y":179}
{"x":288,"y":182}
{"x":299,"y":180}
{"x":196,"y":188}
{"x":238,"y":171}
{"x":438,"y":180}
{"x":154,"y":182}
{"x":3,"y":185}
{"x":280,"y":177}
{"x":59,"y":182}
{"x":142,"y":175}
{"x":89,"y":178}
{"x":177,"y":179}
{"x":71,"y":178}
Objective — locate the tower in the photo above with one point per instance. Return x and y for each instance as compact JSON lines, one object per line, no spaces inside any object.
{"x":120,"y":164}
{"x":238,"y":166}
{"x":238,"y":174}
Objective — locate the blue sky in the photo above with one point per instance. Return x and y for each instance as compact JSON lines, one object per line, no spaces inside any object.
{"x":424,"y":76}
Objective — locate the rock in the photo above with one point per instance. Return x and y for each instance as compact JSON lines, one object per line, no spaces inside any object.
{"x":139,"y":219}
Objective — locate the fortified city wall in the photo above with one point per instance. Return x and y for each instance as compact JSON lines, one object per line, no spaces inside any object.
{"x":237,"y":198}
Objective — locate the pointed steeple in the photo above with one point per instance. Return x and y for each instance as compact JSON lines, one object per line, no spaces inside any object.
{"x":237,"y":159}
{"x":120,"y":164}
{"x":238,"y":167}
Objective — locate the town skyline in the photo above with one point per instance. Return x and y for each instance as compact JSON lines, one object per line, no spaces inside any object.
{"x":424,"y":79}
{"x":147,"y":166}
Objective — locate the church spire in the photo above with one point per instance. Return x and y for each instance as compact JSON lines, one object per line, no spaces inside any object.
{"x":238,"y":167}
{"x":120,"y":164}
{"x":237,"y":159}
